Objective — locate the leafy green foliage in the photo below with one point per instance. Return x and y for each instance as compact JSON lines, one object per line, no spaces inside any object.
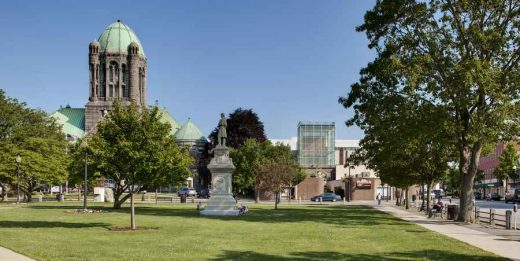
{"x":37,"y":139}
{"x":252,"y":156}
{"x":508,"y":163}
{"x":135,"y":149}
{"x":460,"y":57}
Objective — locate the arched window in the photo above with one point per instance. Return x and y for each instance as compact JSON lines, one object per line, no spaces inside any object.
{"x":124,"y":80}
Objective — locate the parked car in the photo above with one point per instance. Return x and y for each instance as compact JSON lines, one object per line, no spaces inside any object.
{"x":478,"y":195}
{"x":204,"y":193}
{"x":190,"y":192}
{"x":493,"y":196}
{"x":512,"y":195}
{"x":326,"y":197}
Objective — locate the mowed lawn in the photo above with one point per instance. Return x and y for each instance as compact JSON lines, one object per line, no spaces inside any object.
{"x":45,"y":232}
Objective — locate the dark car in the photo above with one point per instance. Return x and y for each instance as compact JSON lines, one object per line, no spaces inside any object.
{"x":513,"y":195}
{"x":478,"y":195}
{"x":204,"y":193}
{"x":326,"y":197}
{"x":495,"y":196}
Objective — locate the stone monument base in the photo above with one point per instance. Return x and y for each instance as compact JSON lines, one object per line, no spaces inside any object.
{"x":219,"y":212}
{"x":220,"y":205}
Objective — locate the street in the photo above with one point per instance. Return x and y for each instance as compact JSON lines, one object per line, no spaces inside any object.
{"x":499,"y":206}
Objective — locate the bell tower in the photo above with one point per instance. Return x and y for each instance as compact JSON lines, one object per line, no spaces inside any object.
{"x":117,"y":71}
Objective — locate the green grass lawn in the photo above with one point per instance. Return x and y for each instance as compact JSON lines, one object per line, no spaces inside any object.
{"x":43,"y":231}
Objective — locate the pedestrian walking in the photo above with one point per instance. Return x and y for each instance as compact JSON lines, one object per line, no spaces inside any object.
{"x":379,"y":197}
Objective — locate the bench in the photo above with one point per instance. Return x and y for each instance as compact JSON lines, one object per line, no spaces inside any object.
{"x":438,"y":212}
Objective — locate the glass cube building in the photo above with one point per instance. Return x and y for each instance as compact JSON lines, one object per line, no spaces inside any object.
{"x":316,"y":144}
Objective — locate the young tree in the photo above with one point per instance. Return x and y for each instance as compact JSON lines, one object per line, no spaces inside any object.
{"x":135,"y":149}
{"x":275,"y":175}
{"x":508,"y":164}
{"x":461,"y":56}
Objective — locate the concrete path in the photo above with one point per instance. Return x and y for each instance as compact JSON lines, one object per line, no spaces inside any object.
{"x":491,"y":243}
{"x":9,"y":255}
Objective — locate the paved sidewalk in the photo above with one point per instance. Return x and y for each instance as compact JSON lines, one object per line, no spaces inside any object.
{"x":491,"y":243}
{"x":9,"y":255}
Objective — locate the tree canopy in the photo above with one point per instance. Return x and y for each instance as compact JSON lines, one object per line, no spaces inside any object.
{"x":242,"y":124}
{"x":135,"y":149}
{"x":37,"y":139}
{"x":250,"y":158}
{"x":458,"y":56}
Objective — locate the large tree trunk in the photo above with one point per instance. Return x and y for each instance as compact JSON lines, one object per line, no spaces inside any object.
{"x":422,"y":196}
{"x":276,"y":200}
{"x":406,"y":200}
{"x":257,"y":196}
{"x":3,"y":196}
{"x":402,"y":197}
{"x":132,"y":211}
{"x":468,"y":167}
{"x":428,"y":198}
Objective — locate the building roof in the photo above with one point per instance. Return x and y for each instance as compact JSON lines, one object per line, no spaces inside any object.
{"x":347,"y":143}
{"x":190,"y":133}
{"x":117,"y":37}
{"x":292,"y":142}
{"x":72,"y":121}
{"x":167,"y":117}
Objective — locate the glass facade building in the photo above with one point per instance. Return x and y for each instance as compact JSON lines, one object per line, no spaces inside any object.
{"x":316,"y":144}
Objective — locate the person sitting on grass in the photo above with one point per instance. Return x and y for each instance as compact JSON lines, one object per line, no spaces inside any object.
{"x":437,"y":208}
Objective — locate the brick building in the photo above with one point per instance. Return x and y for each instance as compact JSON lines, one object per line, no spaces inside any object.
{"x":488,"y":164}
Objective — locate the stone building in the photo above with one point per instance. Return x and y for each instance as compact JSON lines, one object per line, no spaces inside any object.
{"x":117,"y":71}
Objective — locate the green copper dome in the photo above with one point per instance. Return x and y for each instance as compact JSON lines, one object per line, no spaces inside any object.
{"x":117,"y":37}
{"x":166,"y":117}
{"x":190,"y":133}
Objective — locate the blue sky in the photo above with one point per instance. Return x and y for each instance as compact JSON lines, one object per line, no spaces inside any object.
{"x":287,"y":60}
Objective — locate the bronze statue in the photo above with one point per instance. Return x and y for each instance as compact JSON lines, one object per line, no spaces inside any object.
{"x":222,"y":134}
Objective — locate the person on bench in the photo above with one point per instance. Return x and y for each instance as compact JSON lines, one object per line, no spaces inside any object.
{"x":437,"y":208}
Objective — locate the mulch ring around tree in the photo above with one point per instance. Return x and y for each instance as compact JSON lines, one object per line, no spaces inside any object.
{"x":122,"y":229}
{"x":85,"y":211}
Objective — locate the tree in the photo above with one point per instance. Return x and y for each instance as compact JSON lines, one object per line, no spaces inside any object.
{"x":76,"y":168}
{"x":508,"y":164}
{"x":135,"y":149}
{"x":242,"y":124}
{"x":37,"y":139}
{"x":460,"y":56}
{"x":274,"y":175}
{"x":247,"y":159}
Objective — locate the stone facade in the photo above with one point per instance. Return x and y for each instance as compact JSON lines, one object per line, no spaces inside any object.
{"x":114,"y":75}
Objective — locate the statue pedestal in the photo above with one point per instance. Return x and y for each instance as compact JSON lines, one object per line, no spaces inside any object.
{"x":221,"y":202}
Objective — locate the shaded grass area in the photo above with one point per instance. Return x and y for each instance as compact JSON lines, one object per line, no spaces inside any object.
{"x":45,"y":232}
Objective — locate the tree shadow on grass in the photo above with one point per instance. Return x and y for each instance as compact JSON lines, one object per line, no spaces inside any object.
{"x":48,"y":224}
{"x":352,"y":215}
{"x":325,"y":256}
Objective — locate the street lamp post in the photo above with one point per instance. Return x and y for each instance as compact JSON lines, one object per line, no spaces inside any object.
{"x":18,"y":161}
{"x":84,"y":145}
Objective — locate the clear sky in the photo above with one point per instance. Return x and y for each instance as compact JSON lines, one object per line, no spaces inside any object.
{"x":287,"y":60}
